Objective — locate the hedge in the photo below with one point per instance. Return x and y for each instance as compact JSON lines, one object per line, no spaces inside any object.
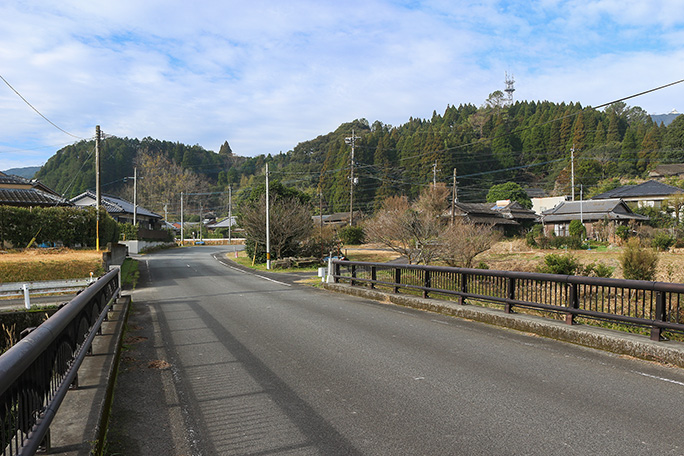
{"x":70,"y":226}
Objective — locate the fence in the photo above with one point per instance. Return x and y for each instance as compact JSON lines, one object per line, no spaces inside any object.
{"x":36,"y":373}
{"x":657,"y":305}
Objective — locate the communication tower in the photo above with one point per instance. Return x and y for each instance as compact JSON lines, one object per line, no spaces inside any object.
{"x":509,"y":88}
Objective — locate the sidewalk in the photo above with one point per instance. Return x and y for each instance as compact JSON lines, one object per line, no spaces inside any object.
{"x":80,"y":424}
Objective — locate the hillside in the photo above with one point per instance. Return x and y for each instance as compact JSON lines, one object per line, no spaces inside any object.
{"x":28,"y":173}
{"x":527,"y":142}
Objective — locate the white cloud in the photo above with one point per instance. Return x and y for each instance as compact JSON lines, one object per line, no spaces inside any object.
{"x":266,"y":75}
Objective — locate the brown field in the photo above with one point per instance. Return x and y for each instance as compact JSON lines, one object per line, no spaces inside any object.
{"x":48,"y":264}
{"x":517,"y":256}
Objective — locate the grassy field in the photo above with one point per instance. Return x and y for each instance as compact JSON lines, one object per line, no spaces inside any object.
{"x":515,"y":255}
{"x":49,"y":264}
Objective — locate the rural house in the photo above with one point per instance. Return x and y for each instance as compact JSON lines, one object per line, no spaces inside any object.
{"x":121,"y":210}
{"x":648,"y":194}
{"x":18,"y":191}
{"x":593,"y":213}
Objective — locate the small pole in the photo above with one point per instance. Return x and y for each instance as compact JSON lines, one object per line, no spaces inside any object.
{"x":182,"y":224}
{"x":268,"y":228}
{"x":453,"y":200}
{"x":135,"y":196}
{"x":230,"y":215}
{"x":27,"y":299}
{"x":98,"y":195}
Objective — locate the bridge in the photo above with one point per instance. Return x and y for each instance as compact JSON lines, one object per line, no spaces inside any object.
{"x":221,"y":360}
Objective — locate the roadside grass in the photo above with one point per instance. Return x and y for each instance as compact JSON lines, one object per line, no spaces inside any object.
{"x":130,"y":273}
{"x":49,"y":264}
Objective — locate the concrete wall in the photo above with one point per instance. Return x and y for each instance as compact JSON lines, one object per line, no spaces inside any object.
{"x":138,"y":246}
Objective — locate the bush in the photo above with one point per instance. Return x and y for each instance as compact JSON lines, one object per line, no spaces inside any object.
{"x":637,"y":262}
{"x":577,"y":229}
{"x":562,"y":242}
{"x":560,"y":264}
{"x":352,"y":235}
{"x":129,"y":232}
{"x":622,"y":232}
{"x":597,"y":270}
{"x":662,"y":241}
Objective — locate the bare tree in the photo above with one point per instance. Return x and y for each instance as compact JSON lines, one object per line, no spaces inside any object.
{"x":411,"y":230}
{"x":393,"y":227}
{"x":161,"y":181}
{"x":461,"y":242}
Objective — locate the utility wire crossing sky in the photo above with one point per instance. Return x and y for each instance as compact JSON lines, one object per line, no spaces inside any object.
{"x":266,"y":75}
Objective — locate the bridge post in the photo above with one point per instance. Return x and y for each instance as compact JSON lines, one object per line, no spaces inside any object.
{"x":573,"y":303}
{"x":656,"y":332}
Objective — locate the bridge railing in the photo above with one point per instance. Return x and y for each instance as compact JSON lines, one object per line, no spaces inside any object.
{"x":656,"y":305}
{"x":36,"y":373}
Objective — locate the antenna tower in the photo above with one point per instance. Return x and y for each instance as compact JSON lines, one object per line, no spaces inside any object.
{"x":509,"y":88}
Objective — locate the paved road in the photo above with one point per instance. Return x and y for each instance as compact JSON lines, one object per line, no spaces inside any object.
{"x":261,"y":366}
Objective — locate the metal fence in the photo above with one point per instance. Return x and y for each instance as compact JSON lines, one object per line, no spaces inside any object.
{"x":36,"y":373}
{"x":656,"y":305}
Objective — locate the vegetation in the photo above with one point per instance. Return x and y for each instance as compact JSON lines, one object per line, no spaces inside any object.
{"x":637,"y":262}
{"x":49,"y":264}
{"x":67,"y":226}
{"x":509,"y":191}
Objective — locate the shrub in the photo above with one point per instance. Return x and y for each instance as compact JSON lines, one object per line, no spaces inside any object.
{"x":560,"y":264}
{"x":637,"y":262}
{"x":597,"y":270}
{"x":577,"y":229}
{"x":351,"y":235}
{"x":622,"y":232}
{"x":662,"y":241}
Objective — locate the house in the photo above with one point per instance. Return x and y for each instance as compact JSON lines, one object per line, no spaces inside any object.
{"x":614,"y":212}
{"x":667,"y":170}
{"x":647,"y":194}
{"x":337,"y":219}
{"x":545,"y":203}
{"x":121,"y":210}
{"x":505,"y":216}
{"x":18,"y":191}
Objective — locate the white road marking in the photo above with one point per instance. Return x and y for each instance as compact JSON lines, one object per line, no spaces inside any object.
{"x":272,"y":280}
{"x":669,"y":380}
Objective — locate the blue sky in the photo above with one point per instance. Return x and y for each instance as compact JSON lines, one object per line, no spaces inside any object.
{"x":266,"y":75}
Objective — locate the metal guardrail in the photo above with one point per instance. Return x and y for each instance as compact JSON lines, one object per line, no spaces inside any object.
{"x":36,"y":373}
{"x":656,"y":305}
{"x":26,"y":289}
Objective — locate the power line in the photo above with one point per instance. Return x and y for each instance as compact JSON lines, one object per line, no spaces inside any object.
{"x":38,"y":112}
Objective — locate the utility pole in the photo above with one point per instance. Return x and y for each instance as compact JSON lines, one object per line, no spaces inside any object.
{"x":320,"y":226}
{"x":135,"y":196}
{"x":230,"y":214}
{"x":351,"y":140}
{"x":268,"y":228}
{"x":98,"y":196}
{"x":182,"y":223}
{"x":572,"y":171}
{"x":454,"y":195}
{"x":434,"y":175}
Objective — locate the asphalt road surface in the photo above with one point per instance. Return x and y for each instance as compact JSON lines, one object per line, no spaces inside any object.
{"x":221,"y":361}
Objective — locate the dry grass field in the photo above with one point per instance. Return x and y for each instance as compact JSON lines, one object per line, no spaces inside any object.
{"x":515,"y":255}
{"x":48,"y":264}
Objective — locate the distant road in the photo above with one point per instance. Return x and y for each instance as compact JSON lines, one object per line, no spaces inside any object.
{"x":262,"y":366}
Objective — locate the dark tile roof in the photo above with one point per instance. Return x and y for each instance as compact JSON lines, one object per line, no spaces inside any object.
{"x":671,"y":169}
{"x":115,"y":205}
{"x":30,"y":197}
{"x":591,"y":210}
{"x":648,"y":188}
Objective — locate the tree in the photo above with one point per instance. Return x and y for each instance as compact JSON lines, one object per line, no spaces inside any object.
{"x":461,"y":242}
{"x":637,"y":262}
{"x":577,"y":229}
{"x":290,"y":223}
{"x":509,"y":191}
{"x":411,"y":230}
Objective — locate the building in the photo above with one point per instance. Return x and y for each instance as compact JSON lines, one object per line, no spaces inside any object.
{"x":667,"y":170}
{"x":121,"y":210}
{"x":505,"y":216}
{"x":647,"y":194}
{"x":21,"y":192}
{"x":613,"y":212}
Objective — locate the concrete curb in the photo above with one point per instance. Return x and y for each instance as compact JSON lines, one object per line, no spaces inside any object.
{"x":618,"y":342}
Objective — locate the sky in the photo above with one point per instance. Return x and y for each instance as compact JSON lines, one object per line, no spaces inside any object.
{"x":266,"y":75}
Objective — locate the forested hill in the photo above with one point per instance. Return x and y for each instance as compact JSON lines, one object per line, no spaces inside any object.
{"x":526,"y":142}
